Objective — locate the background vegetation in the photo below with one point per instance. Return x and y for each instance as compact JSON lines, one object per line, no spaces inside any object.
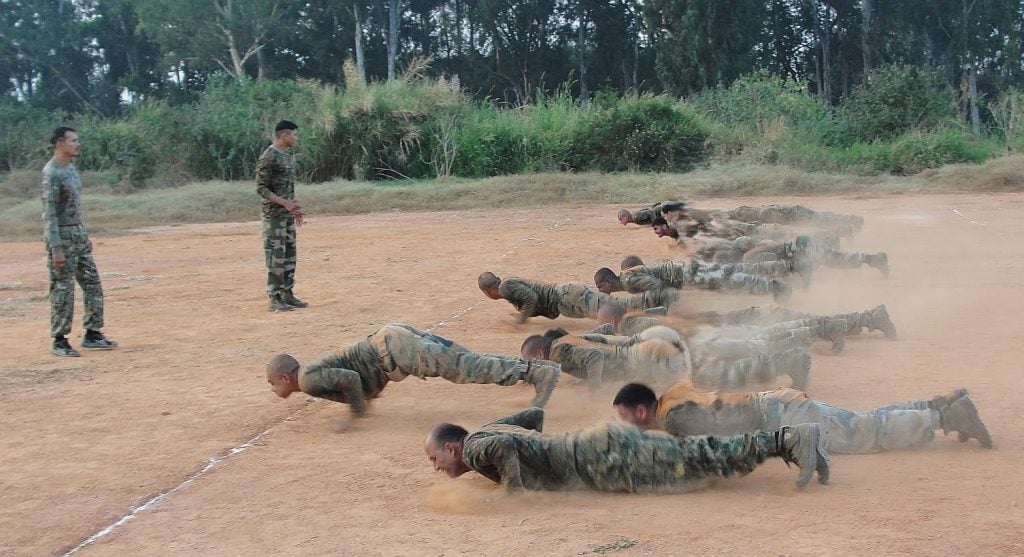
{"x":170,"y":92}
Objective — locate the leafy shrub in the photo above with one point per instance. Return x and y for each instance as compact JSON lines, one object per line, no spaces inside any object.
{"x":639,"y":133}
{"x":898,"y":99}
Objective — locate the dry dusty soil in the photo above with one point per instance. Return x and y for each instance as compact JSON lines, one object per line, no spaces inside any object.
{"x":183,"y":408}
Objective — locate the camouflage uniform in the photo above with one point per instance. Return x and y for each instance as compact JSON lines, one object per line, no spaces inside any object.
{"x":646,"y":216}
{"x":730,"y":363}
{"x":720,"y":250}
{"x":735,"y":277}
{"x":654,"y":360}
{"x":805,"y":253}
{"x":538,"y":299}
{"x":793,"y":214}
{"x":876,"y":318}
{"x":613,"y":457}
{"x":397,"y":351}
{"x":62,"y":216}
{"x":275,"y":174}
{"x":685,"y":411}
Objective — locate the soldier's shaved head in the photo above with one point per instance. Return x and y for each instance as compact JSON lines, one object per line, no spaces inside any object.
{"x":283,"y":364}
{"x":443,"y":447}
{"x":607,"y":281}
{"x":446,"y":433}
{"x":635,"y":394}
{"x":487,"y":280}
{"x":536,"y":346}
{"x":630,"y":261}
{"x":625,"y":217}
{"x":637,"y":404}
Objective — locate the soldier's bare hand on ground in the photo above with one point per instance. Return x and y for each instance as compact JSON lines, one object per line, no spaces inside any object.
{"x":59,"y":261}
{"x":299,"y":218}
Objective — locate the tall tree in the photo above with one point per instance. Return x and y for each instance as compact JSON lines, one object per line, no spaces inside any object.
{"x":228,"y":34}
{"x":704,"y":43}
{"x":47,"y":53}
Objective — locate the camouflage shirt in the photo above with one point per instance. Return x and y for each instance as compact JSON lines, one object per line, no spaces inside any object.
{"x":532,"y":299}
{"x":62,"y":199}
{"x":646,"y":216}
{"x":512,"y":451}
{"x":643,"y":278}
{"x":275,"y":174}
{"x":320,"y":379}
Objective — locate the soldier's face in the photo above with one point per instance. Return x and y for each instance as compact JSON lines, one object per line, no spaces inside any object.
{"x":280,"y":384}
{"x":661,"y":230}
{"x":637,"y":416}
{"x":492,"y":293}
{"x":69,"y":145}
{"x":446,"y":458}
{"x":288,"y":138}
{"x":624,"y":219}
{"x":605,"y":287}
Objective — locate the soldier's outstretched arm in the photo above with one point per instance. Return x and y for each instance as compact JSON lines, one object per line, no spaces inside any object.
{"x":340,"y":385}
{"x":523,"y":297}
{"x":531,"y":418}
{"x":499,"y":451}
{"x":593,"y":361}
{"x":605,"y":329}
{"x":607,"y":338}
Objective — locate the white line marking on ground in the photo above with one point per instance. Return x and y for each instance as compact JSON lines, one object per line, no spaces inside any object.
{"x":968,"y":219}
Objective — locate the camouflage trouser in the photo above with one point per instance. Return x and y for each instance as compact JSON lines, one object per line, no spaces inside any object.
{"x":737,"y":348}
{"x":839,"y":259}
{"x":792,"y":214}
{"x":752,"y":371}
{"x":79,"y":267}
{"x":898,"y":426}
{"x":279,"y":250}
{"x":407,"y":351}
{"x":756,"y":315}
{"x":730,"y":277}
{"x":624,"y":458}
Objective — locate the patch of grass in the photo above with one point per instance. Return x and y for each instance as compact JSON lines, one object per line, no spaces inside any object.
{"x":237,"y":201}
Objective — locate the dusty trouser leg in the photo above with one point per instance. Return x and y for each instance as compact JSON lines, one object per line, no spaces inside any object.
{"x":725,"y":277}
{"x":279,"y":252}
{"x":825,"y":328}
{"x":757,"y":315}
{"x":777,"y":268}
{"x":898,"y":426}
{"x":763,"y":369}
{"x":62,"y":286}
{"x":88,"y":277}
{"x":623,"y":458}
{"x":875,"y":319}
{"x":727,"y":348}
{"x":422,"y":354}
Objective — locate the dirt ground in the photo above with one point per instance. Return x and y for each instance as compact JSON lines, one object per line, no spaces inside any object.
{"x":183,"y":408}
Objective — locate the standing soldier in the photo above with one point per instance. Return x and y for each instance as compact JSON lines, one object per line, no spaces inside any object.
{"x":69,"y":251}
{"x":282,"y":214}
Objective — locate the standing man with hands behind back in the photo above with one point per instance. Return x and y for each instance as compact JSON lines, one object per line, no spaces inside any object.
{"x":282,"y":214}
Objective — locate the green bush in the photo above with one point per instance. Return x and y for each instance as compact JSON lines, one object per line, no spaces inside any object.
{"x":639,"y":133}
{"x":24,"y":133}
{"x":914,"y":152}
{"x":897,"y":100}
